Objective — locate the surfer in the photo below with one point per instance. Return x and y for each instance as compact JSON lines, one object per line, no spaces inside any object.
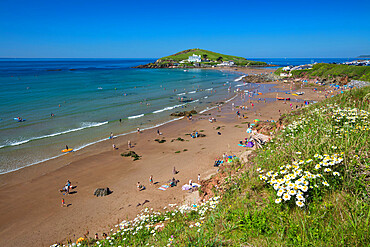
{"x":66,"y":147}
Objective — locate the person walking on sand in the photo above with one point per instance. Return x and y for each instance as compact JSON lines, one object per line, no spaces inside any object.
{"x":138,"y":130}
{"x":174,"y":171}
{"x":114,"y":147}
{"x":198,"y":178}
{"x":151,"y":179}
{"x":63,"y":203}
{"x":129,"y":144}
{"x":111,"y":135}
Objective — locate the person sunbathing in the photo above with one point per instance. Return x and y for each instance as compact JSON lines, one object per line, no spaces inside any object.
{"x":140,"y":187}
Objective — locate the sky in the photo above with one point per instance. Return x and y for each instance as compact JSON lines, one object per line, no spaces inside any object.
{"x":153,"y":29}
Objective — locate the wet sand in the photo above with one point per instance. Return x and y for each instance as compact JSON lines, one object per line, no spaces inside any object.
{"x":30,"y":205}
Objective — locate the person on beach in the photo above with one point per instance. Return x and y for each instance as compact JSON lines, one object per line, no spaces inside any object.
{"x":120,"y":120}
{"x":139,"y":186}
{"x":63,"y":203}
{"x":129,"y":144}
{"x":114,"y":147}
{"x":66,"y":147}
{"x":69,"y":184}
{"x":151,"y":180}
{"x":198,"y":178}
{"x":174,"y":171}
{"x":96,"y":236}
{"x":111,"y":135}
{"x":138,"y":130}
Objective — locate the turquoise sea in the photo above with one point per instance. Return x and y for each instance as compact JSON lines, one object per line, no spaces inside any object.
{"x":87,"y":98}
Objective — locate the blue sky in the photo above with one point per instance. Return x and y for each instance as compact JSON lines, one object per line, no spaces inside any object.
{"x":138,"y":28}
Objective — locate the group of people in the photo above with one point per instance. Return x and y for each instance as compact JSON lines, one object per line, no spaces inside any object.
{"x":66,"y":189}
{"x":194,"y":134}
{"x":212,"y":119}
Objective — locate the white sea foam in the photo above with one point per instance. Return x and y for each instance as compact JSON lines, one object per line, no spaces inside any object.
{"x":209,"y":89}
{"x":89,"y":144}
{"x":137,"y":116}
{"x":179,"y":94}
{"x":240,"y":85}
{"x":231,"y":99}
{"x":84,"y":125}
{"x":240,"y":78}
{"x":168,"y":108}
{"x":191,"y":92}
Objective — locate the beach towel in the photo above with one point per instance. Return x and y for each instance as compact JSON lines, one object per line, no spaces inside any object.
{"x":164,"y":187}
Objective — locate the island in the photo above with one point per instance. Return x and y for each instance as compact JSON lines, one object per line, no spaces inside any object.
{"x":193,"y":58}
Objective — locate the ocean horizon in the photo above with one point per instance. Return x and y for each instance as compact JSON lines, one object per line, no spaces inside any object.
{"x":79,"y":102}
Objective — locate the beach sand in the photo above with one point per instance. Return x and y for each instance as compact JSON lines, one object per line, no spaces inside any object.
{"x":31,"y":211}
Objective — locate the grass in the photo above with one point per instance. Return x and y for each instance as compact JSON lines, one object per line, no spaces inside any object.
{"x":213,"y":56}
{"x":244,"y":211}
{"x":327,"y":71}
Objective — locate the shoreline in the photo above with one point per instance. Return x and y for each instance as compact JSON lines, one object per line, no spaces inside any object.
{"x":100,"y":166}
{"x":230,"y":69}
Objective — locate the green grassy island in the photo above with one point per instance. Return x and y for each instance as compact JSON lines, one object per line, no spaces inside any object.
{"x":200,"y":58}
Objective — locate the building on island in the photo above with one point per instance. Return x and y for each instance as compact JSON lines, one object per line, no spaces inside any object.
{"x":226,"y":63}
{"x":194,"y":59}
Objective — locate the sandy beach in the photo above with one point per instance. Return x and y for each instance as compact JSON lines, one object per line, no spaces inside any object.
{"x":32,"y":214}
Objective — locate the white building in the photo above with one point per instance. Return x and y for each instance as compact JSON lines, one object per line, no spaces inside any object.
{"x":226,"y":63}
{"x":195,"y":58}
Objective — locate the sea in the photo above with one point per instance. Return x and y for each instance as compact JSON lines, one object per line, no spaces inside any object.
{"x":79,"y":102}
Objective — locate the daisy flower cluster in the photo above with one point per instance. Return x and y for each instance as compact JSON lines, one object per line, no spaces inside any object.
{"x":149,"y":222}
{"x":348,"y":119}
{"x":294,"y":182}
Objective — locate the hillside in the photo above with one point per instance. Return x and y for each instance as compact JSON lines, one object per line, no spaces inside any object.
{"x":295,"y":191}
{"x":209,"y":58}
{"x":328,"y":71}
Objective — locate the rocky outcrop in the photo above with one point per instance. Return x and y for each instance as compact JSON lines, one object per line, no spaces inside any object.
{"x":102,"y":192}
{"x":183,"y":113}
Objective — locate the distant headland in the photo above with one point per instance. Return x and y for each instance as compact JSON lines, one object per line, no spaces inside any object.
{"x":195,"y":58}
{"x":363,"y":56}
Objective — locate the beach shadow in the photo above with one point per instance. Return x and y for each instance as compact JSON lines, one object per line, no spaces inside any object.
{"x":156,"y":183}
{"x":72,"y":192}
{"x":146,"y":201}
{"x":69,"y":204}
{"x":74,"y":187}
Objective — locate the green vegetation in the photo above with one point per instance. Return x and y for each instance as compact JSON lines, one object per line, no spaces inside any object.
{"x":131,"y":154}
{"x":209,"y":55}
{"x":160,"y":141}
{"x":328,"y":71}
{"x":246,"y":210}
